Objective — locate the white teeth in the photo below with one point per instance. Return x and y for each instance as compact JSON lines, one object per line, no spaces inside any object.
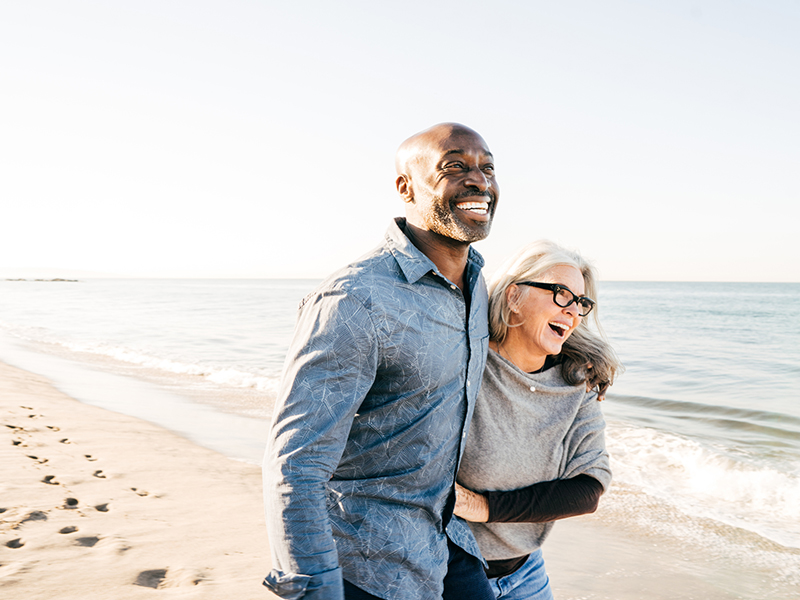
{"x":560,"y":325}
{"x":479,"y":207}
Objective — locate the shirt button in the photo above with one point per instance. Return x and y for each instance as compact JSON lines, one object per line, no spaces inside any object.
{"x":533,"y":389}
{"x":452,"y":287}
{"x":468,"y":384}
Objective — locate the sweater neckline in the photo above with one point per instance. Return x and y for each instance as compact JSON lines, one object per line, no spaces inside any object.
{"x":549,"y":362}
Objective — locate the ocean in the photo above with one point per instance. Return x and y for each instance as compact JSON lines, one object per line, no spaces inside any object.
{"x":703,"y":426}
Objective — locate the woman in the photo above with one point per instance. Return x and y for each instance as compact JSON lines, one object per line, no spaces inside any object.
{"x":536,"y":451}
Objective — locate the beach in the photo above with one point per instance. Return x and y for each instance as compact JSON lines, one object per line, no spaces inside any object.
{"x":99,"y":505}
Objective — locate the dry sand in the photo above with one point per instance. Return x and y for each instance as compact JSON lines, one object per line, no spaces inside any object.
{"x":98,"y":505}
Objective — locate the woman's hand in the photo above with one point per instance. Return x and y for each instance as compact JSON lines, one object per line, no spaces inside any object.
{"x":593,"y":381}
{"x":471,"y":506}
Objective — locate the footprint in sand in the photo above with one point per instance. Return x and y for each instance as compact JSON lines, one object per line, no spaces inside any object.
{"x":139,"y":492}
{"x":70,"y":503}
{"x":99,"y":474}
{"x":151,"y":579}
{"x":36,"y":515}
{"x":41,"y":461}
{"x":17,"y":543}
{"x":50,"y":480}
{"x":53,"y":428}
{"x":89,"y":457}
{"x":87,"y":542}
{"x":65,"y":441}
{"x":169,"y":578}
{"x":68,"y":529}
{"x":26,"y":407}
{"x":102,"y":507}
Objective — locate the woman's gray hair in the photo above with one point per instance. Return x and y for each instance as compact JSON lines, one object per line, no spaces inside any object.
{"x":586,"y":355}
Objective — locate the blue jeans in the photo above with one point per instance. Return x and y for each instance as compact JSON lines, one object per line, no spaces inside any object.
{"x":465,"y":577}
{"x":529,"y":582}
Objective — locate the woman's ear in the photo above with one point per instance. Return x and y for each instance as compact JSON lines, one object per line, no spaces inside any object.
{"x":513,"y":295}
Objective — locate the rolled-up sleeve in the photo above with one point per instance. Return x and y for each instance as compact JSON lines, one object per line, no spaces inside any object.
{"x":329,"y":369}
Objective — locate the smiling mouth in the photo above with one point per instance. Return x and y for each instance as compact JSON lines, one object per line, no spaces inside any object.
{"x":478,"y":208}
{"x":560,"y":328}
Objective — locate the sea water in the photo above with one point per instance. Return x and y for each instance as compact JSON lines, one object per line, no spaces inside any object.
{"x":703,"y":426}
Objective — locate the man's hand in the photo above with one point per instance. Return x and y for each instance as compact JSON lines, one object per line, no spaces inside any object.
{"x":471,"y":506}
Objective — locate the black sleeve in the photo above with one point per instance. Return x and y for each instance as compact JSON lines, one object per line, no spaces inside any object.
{"x":545,"y":501}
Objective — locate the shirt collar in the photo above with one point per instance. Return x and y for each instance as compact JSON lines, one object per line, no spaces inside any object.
{"x":411,"y":260}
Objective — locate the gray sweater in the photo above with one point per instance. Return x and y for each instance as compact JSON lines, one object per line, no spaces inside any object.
{"x":529,"y":428}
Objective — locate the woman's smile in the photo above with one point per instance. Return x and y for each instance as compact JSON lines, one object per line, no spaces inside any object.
{"x":539,"y":326}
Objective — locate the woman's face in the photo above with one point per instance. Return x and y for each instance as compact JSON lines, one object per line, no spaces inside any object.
{"x":545,"y":326}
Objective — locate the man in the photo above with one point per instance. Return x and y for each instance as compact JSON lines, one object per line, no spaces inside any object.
{"x":378,"y":390}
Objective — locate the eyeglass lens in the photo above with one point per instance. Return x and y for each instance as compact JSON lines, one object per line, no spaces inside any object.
{"x":564,"y":298}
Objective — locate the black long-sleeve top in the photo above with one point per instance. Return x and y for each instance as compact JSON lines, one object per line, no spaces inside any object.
{"x":540,"y":503}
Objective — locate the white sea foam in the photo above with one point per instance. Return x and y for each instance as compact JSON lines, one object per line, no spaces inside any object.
{"x":221,"y":375}
{"x":704,"y":481}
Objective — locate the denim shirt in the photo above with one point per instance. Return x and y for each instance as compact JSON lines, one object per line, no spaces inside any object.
{"x":377,"y":392}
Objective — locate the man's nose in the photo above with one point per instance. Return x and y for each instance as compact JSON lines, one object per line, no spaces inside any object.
{"x":477,"y":178}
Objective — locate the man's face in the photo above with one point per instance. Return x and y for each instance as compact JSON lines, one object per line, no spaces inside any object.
{"x":454,"y":188}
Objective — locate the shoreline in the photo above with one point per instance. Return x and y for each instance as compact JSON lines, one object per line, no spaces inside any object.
{"x":135,"y":391}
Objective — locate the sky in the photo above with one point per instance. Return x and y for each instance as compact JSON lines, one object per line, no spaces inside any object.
{"x":253,"y":138}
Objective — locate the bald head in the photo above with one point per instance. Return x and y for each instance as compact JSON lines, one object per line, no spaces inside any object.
{"x":420,"y":145}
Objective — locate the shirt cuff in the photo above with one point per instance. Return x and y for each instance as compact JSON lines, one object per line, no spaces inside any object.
{"x":294,"y":586}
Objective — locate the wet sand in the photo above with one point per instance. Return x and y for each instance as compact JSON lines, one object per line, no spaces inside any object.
{"x":635,"y":548}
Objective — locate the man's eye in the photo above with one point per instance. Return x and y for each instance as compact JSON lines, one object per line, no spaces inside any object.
{"x":454,"y":165}
{"x":489,"y":168}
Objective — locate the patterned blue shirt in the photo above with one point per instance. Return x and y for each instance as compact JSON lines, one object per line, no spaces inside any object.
{"x":376,"y":397}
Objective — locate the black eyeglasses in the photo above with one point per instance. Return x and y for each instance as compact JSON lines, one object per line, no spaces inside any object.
{"x":563,"y":297}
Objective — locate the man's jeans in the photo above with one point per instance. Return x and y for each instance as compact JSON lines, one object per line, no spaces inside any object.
{"x":465,"y":577}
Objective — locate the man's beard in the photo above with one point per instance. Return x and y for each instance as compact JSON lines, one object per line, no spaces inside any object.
{"x":446,"y":222}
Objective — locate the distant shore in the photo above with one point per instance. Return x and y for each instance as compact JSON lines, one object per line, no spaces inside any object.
{"x":48,"y":280}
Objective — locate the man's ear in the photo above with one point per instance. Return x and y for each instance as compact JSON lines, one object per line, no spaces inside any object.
{"x":404,"y":188}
